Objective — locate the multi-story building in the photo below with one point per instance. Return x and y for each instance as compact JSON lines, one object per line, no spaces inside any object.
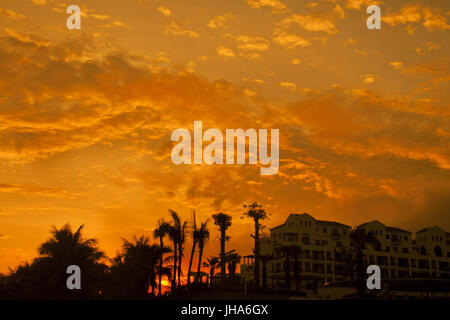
{"x":322,"y":248}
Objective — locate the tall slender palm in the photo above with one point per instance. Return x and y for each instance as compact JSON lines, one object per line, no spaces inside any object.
{"x":233,"y":260}
{"x":160,"y":232}
{"x":202,"y":237}
{"x":223,"y":221}
{"x":211,"y":263}
{"x":359,"y":239}
{"x":174,"y":236}
{"x":182,"y":239}
{"x":257,"y":213}
{"x":178,"y":235}
{"x":194,"y":231}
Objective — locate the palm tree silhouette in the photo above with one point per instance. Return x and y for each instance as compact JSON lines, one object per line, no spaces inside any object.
{"x":178,"y":235}
{"x":233,"y":260}
{"x":140,"y":262}
{"x":223,"y":221}
{"x":65,"y":248}
{"x":257,"y":213}
{"x":359,"y":239}
{"x":202,"y":236}
{"x":160,"y":232}
{"x":194,"y":243}
{"x":211,"y":263}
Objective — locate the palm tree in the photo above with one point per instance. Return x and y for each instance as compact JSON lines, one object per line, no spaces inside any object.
{"x":182,"y":239}
{"x":65,"y":248}
{"x":233,"y":260}
{"x":140,"y":264}
{"x":257,"y":213}
{"x":160,"y":232}
{"x":264,"y":259}
{"x":212,"y":263}
{"x":359,"y":238}
{"x":223,"y":221}
{"x":178,"y":235}
{"x":194,"y":243}
{"x":202,"y":236}
{"x":347,"y":256}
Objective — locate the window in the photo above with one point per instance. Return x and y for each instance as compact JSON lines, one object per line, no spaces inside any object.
{"x":325,"y":230}
{"x":406,"y":238}
{"x":387,"y":236}
{"x":306,"y":238}
{"x":344,"y":231}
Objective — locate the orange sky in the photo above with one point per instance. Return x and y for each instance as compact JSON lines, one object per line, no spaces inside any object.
{"x":86,"y":116}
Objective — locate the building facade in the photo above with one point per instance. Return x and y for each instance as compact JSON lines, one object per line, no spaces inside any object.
{"x":318,"y":252}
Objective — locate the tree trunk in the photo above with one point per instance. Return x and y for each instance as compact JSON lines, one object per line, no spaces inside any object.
{"x":200,"y":253}
{"x":180,"y":258}
{"x":161,"y":243}
{"x":190,"y":263}
{"x":175,"y":254}
{"x":257,"y":274}
{"x":222,"y":255}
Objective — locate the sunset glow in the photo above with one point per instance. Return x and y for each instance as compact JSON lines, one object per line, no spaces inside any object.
{"x":86,"y":115}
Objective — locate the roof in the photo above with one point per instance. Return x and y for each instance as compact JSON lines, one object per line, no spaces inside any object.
{"x":395,"y":229}
{"x":333,"y":223}
{"x":293,"y":214}
{"x":434,"y":227}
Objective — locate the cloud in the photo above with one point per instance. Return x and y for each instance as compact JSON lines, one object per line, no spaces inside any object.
{"x":277,"y":6}
{"x":39,"y":2}
{"x":225,"y":52}
{"x":289,"y":41}
{"x":219,"y":21}
{"x":247,"y":43}
{"x":165,"y":11}
{"x":396,"y":65}
{"x":10,"y":14}
{"x":116,"y":24}
{"x":174,"y":29}
{"x":288,"y":85}
{"x":310,"y":23}
{"x":368,"y":79}
{"x":430,"y":18}
{"x":37,"y":191}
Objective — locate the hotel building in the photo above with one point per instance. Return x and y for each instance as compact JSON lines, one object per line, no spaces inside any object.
{"x":323,"y":244}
